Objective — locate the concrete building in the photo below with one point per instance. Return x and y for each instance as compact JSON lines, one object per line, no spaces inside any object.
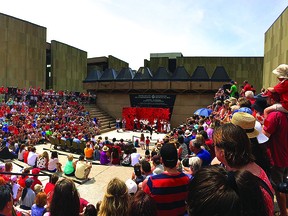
{"x":276,"y":48}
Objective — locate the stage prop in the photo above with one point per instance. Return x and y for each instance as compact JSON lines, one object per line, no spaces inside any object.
{"x":129,"y":114}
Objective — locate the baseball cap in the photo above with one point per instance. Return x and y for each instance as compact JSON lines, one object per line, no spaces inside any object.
{"x":132,"y":186}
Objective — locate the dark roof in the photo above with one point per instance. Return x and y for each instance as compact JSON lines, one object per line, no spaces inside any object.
{"x":180,"y":74}
{"x":200,"y":74}
{"x":93,"y":75}
{"x":162,"y":74}
{"x":143,"y":73}
{"x":125,"y":74}
{"x":109,"y":74}
{"x":220,"y":74}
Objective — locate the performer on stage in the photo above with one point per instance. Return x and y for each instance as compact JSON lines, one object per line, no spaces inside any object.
{"x":135,"y":124}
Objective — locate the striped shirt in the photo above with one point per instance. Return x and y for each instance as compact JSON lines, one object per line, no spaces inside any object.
{"x":169,"y":191}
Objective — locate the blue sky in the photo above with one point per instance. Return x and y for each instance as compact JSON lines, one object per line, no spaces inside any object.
{"x":132,"y":29}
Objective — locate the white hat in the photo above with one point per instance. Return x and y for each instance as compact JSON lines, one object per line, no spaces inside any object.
{"x":132,"y":186}
{"x":281,"y":71}
{"x":188,"y":133}
{"x":262,"y":138}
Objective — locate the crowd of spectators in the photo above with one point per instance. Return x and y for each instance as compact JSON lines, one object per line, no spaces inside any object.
{"x":230,"y":162}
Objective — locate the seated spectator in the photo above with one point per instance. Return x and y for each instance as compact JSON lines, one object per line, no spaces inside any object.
{"x":35,"y":179}
{"x":21,"y":152}
{"x":195,"y":165}
{"x":82,"y":168}
{"x":135,"y":157}
{"x":137,"y":174}
{"x":28,"y":195}
{"x":115,"y":157}
{"x":6,"y":204}
{"x":8,"y":168}
{"x":88,"y":152}
{"x":142,"y":204}
{"x":90,"y":210}
{"x":157,"y":166}
{"x":23,"y":177}
{"x":49,"y":187}
{"x":65,"y":200}
{"x":96,"y":154}
{"x":132,"y":187}
{"x":38,"y":208}
{"x":42,"y":161}
{"x":115,"y":200}
{"x":126,"y":158}
{"x":203,"y":154}
{"x":54,"y":164}
{"x":214,"y":191}
{"x":26,"y":153}
{"x":104,"y":156}
{"x":32,"y":157}
{"x":69,"y":169}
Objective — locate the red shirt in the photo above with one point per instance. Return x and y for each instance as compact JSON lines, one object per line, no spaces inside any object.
{"x":276,"y":125}
{"x":282,"y":89}
{"x":247,"y":87}
{"x":49,"y":187}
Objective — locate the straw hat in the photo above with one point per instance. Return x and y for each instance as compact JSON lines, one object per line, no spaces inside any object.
{"x":105,"y":148}
{"x":247,"y":122}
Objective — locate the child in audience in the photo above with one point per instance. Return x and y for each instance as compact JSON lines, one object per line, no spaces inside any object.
{"x":69,"y":169}
{"x":281,"y":88}
{"x":54,"y":164}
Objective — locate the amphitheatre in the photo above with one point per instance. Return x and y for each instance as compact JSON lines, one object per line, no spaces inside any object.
{"x":179,"y":84}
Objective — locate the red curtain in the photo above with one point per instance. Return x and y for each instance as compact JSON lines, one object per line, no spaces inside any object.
{"x":129,"y":113}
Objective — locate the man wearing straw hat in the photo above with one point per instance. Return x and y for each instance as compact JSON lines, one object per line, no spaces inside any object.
{"x":275,"y":127}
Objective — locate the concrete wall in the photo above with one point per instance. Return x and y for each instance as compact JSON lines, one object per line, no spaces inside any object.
{"x":238,"y":68}
{"x":276,"y":48}
{"x":22,"y":53}
{"x":68,"y":67}
{"x":116,"y":64}
{"x":185,"y":104}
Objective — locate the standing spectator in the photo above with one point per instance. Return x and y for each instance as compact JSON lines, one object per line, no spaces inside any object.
{"x":275,"y":127}
{"x":214,"y":191}
{"x":233,"y":91}
{"x":147,"y":142}
{"x":233,"y":149}
{"x":168,"y":189}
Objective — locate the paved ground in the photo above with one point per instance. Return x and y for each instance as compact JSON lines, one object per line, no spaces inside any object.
{"x":94,"y":189}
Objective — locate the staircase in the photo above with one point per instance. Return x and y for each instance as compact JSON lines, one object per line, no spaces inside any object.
{"x":107,"y":122}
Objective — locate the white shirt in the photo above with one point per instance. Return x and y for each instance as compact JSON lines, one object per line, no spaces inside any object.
{"x":31,"y":160}
{"x":135,"y":158}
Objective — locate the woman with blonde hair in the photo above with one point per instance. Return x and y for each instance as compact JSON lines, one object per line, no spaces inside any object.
{"x":42,"y":161}
{"x":116,"y":199}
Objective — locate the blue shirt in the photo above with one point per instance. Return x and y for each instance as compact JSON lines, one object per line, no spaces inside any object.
{"x":205,"y":156}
